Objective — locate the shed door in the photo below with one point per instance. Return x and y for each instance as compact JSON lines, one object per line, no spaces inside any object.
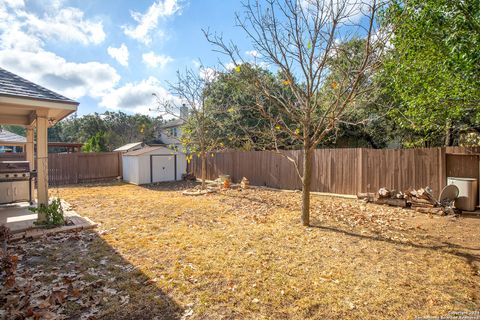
{"x":163,"y":167}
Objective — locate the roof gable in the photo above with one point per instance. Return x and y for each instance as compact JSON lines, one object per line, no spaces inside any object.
{"x":10,"y":137}
{"x":172,"y":123}
{"x":16,"y":86}
{"x":145,"y":150}
{"x":128,"y":146}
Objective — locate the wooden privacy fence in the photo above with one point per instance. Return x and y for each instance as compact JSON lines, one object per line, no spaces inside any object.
{"x":348,"y":171}
{"x":72,"y":168}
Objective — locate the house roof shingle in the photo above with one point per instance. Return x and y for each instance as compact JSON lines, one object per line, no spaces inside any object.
{"x":14,"y":85}
{"x":10,"y":137}
{"x":172,"y":123}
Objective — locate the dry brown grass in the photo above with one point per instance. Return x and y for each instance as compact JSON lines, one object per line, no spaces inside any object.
{"x":244,"y":255}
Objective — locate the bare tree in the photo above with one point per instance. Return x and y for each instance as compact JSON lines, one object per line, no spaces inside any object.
{"x":299,"y":38}
{"x":190,"y":90}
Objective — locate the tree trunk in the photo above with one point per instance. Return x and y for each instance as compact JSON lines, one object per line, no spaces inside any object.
{"x":306,"y":185}
{"x":448,"y":133}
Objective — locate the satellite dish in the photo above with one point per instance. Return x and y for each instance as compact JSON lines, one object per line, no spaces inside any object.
{"x":449,"y":193}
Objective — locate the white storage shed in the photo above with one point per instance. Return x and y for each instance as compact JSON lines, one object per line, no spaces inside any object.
{"x":153,"y":164}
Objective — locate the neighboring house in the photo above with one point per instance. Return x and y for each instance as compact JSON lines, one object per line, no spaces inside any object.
{"x":131,"y":147}
{"x":171,"y":132}
{"x":14,"y":143}
{"x":11,"y":142}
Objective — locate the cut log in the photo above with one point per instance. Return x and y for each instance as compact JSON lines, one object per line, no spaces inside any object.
{"x":398,"y":195}
{"x":392,"y":202}
{"x":384,"y":193}
{"x":437,"y":211}
{"x":410,"y":192}
{"x":369,"y":196}
{"x":426,"y":193}
{"x":418,"y":201}
{"x":419,"y":205}
{"x":421,"y":194}
{"x":431,"y":198}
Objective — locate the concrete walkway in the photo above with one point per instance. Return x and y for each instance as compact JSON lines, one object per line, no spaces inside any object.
{"x":20,"y":221}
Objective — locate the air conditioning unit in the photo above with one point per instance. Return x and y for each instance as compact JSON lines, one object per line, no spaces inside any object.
{"x":468,"y":192}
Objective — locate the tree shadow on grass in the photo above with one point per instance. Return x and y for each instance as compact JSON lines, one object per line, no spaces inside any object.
{"x":91,"y":184}
{"x":468,"y":253}
{"x":79,"y":275}
{"x":159,"y":186}
{"x":170,"y":185}
{"x":242,"y":195}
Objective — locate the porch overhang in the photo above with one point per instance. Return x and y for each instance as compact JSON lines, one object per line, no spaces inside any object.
{"x":40,"y":114}
{"x":27,"y":104}
{"x":24,"y":111}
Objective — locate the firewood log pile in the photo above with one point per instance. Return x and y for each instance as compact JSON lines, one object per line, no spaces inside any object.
{"x":421,"y":200}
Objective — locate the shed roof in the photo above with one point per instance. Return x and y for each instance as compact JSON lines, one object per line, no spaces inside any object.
{"x":128,"y":146}
{"x":145,"y":150}
{"x":14,"y":85}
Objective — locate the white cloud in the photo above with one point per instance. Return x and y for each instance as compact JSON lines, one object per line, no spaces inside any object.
{"x":66,"y":24}
{"x":148,"y":21}
{"x":253,"y":53}
{"x":74,"y":80}
{"x":22,"y":39}
{"x":351,"y":10}
{"x":197,"y":64}
{"x":55,"y":24}
{"x":11,"y":33}
{"x":230,"y":66}
{"x":120,"y":54}
{"x":152,"y":60}
{"x":15,"y":3}
{"x":208,"y":74}
{"x":136,"y":96}
{"x":17,"y":39}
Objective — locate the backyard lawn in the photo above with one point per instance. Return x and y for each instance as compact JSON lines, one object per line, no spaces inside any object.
{"x":244,"y":255}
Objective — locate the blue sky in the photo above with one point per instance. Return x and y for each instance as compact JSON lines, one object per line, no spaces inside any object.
{"x":111,"y":54}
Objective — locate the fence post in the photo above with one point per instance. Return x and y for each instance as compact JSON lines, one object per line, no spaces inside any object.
{"x":120,"y":165}
{"x":359,"y":170}
{"x":442,"y":169}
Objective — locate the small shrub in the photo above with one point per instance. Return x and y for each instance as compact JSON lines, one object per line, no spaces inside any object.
{"x":53,"y":213}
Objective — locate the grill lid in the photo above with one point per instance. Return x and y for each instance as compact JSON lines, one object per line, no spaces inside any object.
{"x":14,"y":166}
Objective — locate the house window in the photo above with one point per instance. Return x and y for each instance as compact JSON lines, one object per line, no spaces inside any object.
{"x":173,"y":132}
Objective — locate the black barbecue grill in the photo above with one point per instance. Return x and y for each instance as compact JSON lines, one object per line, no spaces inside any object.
{"x":15,"y":181}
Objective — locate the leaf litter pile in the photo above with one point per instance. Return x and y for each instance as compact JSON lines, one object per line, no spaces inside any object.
{"x":61,"y":277}
{"x":243,"y":254}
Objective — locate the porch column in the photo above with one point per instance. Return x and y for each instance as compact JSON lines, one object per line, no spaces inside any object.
{"x":29,"y":153}
{"x":42,"y":162}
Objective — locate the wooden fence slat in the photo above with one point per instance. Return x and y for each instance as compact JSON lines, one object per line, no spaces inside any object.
{"x":345,"y":171}
{"x":348,"y":171}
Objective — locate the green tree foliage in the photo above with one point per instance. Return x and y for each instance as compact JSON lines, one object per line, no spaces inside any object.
{"x":366,"y":122}
{"x":231,"y":99}
{"x":15,"y":129}
{"x":434,"y":68}
{"x":114,"y":129}
{"x":239,"y":125}
{"x":96,"y":143}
